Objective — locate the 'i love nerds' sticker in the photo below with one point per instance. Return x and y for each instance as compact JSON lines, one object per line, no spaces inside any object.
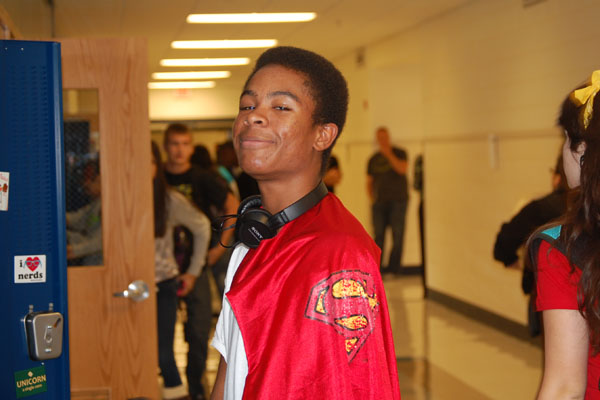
{"x":4,"y":181}
{"x":30,"y":269}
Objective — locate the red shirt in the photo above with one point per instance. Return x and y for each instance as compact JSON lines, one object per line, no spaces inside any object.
{"x":557,"y":290}
{"x":313,"y":314}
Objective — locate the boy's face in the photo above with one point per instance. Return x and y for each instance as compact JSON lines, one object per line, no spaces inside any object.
{"x":274,"y":133}
{"x":179,"y":148}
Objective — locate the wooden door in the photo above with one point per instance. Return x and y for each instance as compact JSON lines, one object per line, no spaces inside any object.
{"x":113,"y":345}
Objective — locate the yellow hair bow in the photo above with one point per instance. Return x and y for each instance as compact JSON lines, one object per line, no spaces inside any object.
{"x":586,"y":96}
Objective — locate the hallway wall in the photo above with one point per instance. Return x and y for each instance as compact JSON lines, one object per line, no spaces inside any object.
{"x":200,"y":104}
{"x":477,"y":90}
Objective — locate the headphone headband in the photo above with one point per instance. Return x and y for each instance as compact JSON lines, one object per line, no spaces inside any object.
{"x":299,"y":207}
{"x":255,"y":224}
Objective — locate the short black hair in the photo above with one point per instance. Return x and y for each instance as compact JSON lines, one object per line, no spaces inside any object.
{"x":327,"y":85}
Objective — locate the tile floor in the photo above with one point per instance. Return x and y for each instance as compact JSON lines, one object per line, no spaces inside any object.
{"x":441,"y":354}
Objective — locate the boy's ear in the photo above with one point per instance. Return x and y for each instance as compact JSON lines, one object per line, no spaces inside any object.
{"x":325,"y":136}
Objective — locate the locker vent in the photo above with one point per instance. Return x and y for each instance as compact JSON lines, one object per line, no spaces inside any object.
{"x":28,"y":121}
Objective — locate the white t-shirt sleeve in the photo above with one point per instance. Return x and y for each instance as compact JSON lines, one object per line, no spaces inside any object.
{"x":228,"y":338}
{"x":218,"y":341}
{"x":224,"y":324}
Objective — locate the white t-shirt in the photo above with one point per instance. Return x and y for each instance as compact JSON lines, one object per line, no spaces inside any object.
{"x":228,"y":337}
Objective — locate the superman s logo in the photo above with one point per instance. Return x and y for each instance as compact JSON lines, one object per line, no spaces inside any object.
{"x":346,"y":300}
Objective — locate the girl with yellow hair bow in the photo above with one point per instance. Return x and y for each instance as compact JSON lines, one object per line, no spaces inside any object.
{"x":566,"y":258}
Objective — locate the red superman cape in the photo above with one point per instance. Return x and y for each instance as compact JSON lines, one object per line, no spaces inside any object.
{"x":313,"y":314}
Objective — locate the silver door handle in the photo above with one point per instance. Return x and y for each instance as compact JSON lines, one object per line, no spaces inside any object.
{"x":136,"y":291}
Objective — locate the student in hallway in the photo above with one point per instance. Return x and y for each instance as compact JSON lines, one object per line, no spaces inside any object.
{"x":333,"y":174}
{"x":211,"y":196}
{"x":567,"y":259}
{"x":305,"y":314}
{"x":387,"y":188}
{"x":84,"y":226}
{"x":514,"y":234}
{"x":171,"y":209}
{"x":227,"y":165}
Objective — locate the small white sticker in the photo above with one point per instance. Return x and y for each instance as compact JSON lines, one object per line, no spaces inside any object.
{"x":4,"y":178}
{"x":30,"y":269}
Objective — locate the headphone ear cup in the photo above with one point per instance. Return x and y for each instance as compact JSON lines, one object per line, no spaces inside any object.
{"x":252,"y":226}
{"x":249,"y":202}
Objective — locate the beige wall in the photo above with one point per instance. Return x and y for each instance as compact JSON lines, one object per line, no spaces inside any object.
{"x":198,"y":104}
{"x":477,"y":91}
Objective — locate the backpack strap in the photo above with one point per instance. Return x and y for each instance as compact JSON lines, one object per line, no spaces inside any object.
{"x":551,"y":236}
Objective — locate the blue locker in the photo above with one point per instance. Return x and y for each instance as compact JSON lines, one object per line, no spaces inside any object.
{"x":33,"y":283}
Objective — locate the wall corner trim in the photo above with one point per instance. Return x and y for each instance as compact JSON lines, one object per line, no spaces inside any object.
{"x":484,"y":316}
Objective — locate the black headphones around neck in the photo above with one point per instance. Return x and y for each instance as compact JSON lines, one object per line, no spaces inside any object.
{"x":255,"y":224}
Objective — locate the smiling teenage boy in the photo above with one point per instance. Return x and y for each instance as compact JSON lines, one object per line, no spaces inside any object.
{"x":304,"y":314}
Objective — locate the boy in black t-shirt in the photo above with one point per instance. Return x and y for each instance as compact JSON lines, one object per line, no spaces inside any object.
{"x":211,"y":196}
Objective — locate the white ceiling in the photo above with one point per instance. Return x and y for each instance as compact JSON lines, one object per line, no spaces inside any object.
{"x":341,"y":26}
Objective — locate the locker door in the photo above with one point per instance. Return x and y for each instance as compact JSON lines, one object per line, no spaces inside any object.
{"x":32,"y":221}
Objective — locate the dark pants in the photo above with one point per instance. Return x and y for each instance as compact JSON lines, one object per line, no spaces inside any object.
{"x":393,"y":214}
{"x":166,"y":306}
{"x":197,"y":327}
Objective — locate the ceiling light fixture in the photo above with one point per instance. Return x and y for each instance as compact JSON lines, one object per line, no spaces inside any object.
{"x":250,"y":18}
{"x":181,"y":85}
{"x":203,"y":62}
{"x":192,"y":75}
{"x":223,"y":44}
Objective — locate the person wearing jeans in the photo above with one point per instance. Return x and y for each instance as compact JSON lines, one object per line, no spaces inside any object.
{"x":171,"y":209}
{"x":390,"y":213}
{"x":388,"y":190}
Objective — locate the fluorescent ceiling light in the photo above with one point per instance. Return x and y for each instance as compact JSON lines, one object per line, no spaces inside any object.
{"x":203,"y":62}
{"x":250,"y":18}
{"x":223,"y":44}
{"x":192,"y":75}
{"x":181,"y":85}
